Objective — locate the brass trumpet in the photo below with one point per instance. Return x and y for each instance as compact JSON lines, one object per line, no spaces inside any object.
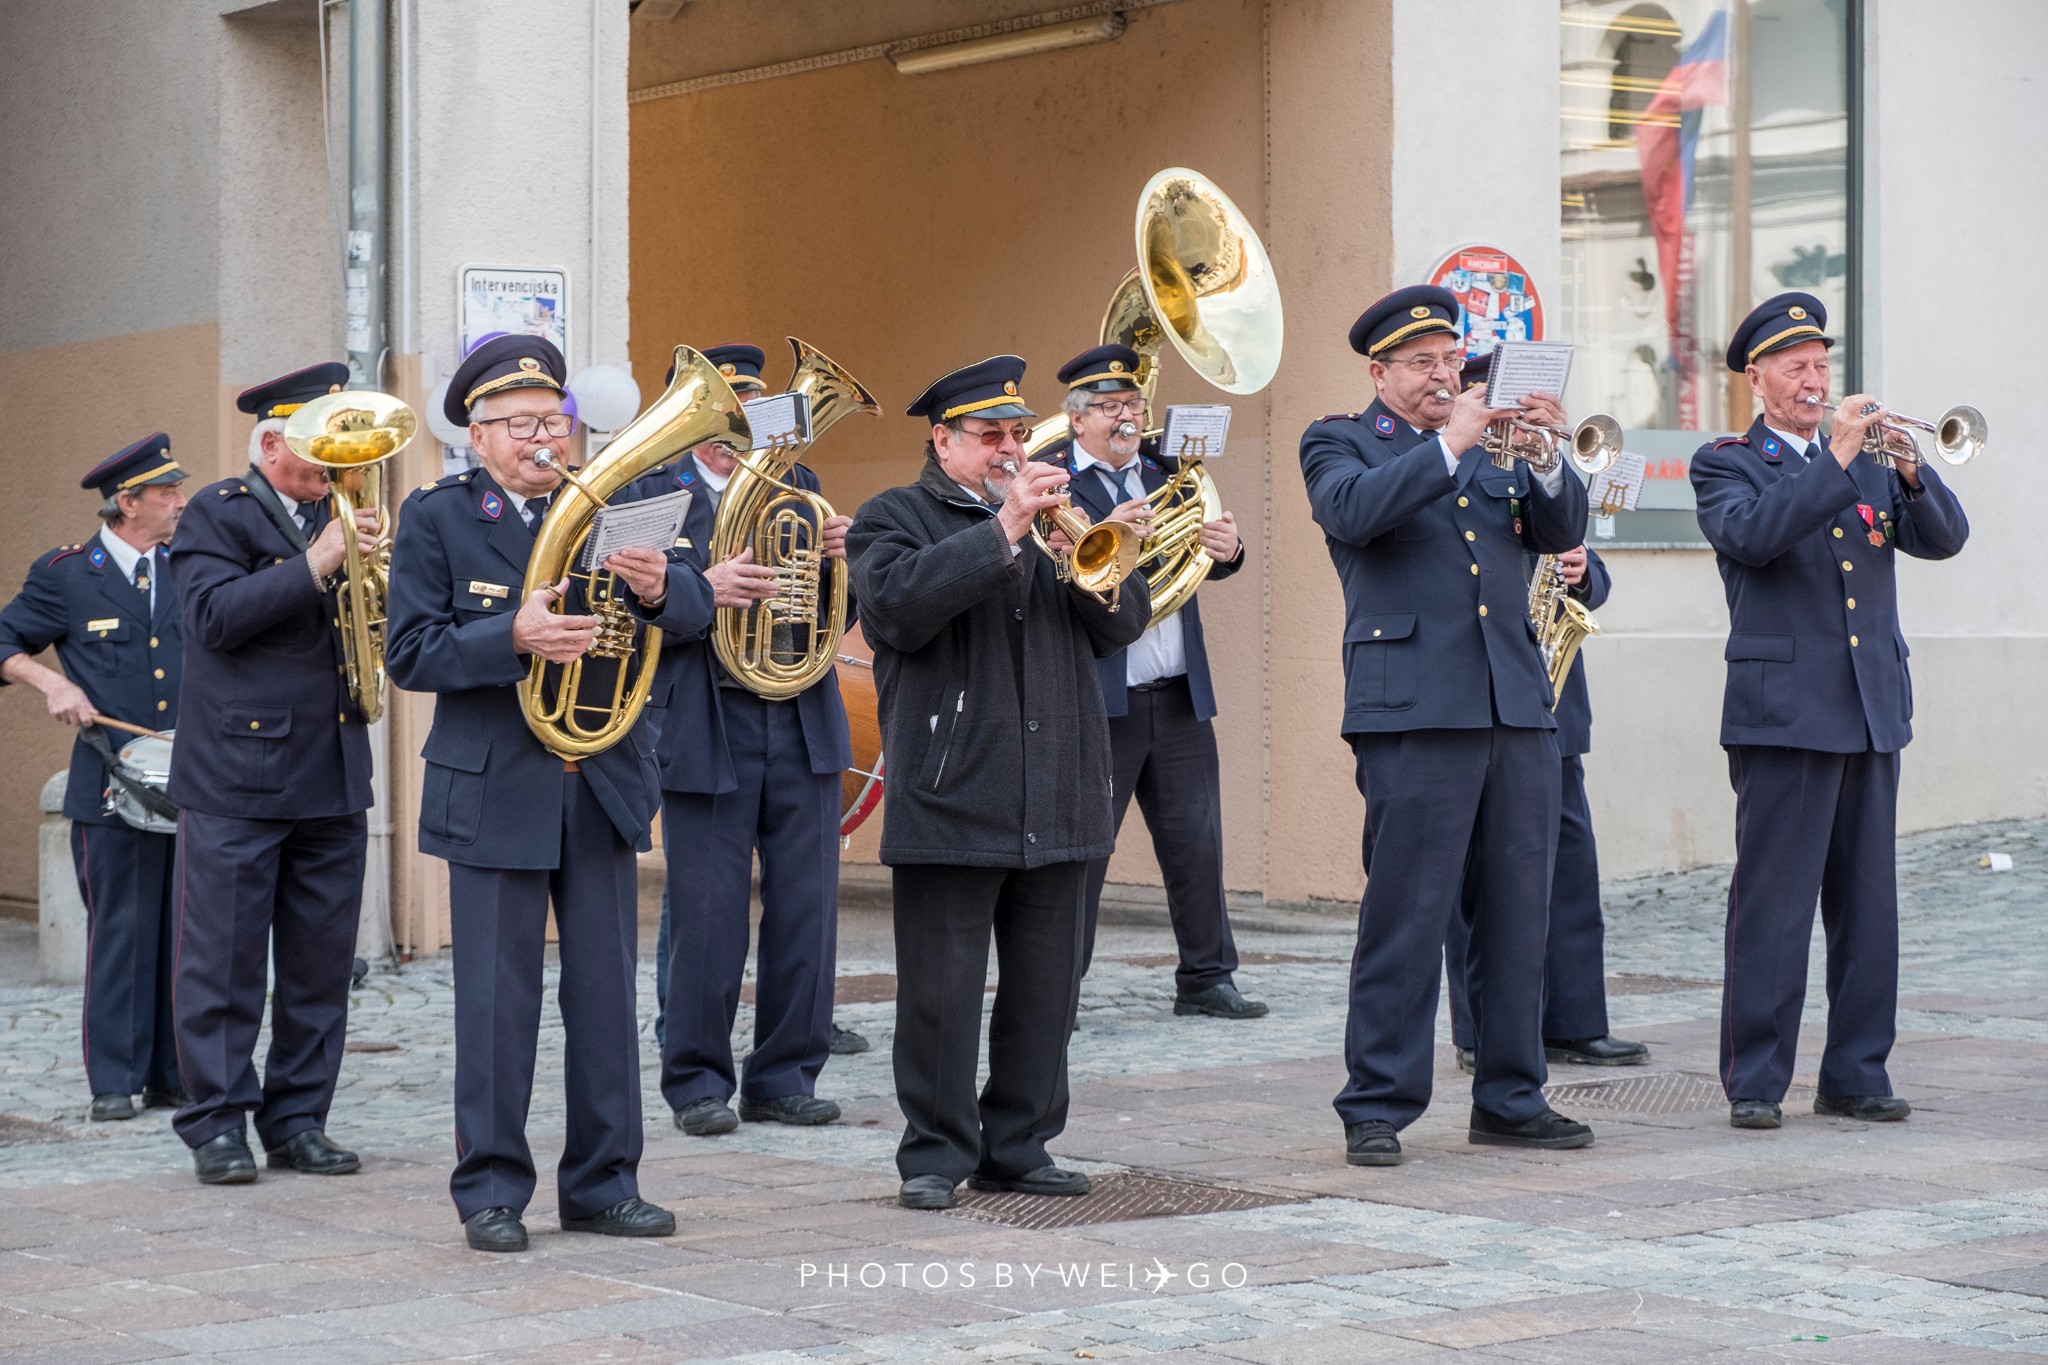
{"x":1959,"y":434}
{"x":1104,"y":554}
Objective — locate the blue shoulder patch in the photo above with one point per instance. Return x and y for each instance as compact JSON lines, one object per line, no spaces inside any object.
{"x":493,"y":505}
{"x":1383,"y":424}
{"x":98,"y":557}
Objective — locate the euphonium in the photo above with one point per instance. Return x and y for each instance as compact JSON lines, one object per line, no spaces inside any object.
{"x":1562,"y":622}
{"x":1203,"y":283}
{"x":350,"y":434}
{"x":575,"y":716}
{"x":779,"y":647}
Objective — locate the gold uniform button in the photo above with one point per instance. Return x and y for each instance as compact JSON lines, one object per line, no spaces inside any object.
{"x":1847,"y":567}
{"x":340,"y":719}
{"x":1470,"y":536}
{"x":337,"y":621}
{"x":1838,"y":533}
{"x":1375,"y":635}
{"x":255,"y":725}
{"x":1475,"y":570}
{"x":159,"y":672}
{"x":1852,"y":604}
{"x":1482,"y":611}
{"x":1852,"y":642}
{"x":163,"y":706}
{"x":1464,"y":502}
{"x":152,"y":642}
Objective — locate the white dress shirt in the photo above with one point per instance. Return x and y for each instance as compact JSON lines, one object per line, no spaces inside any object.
{"x":1553,"y":481}
{"x":125,"y":557}
{"x":1161,"y":652}
{"x":1797,"y":444}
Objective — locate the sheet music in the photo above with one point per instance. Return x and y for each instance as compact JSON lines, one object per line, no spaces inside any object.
{"x":1618,"y":487}
{"x":653,"y":524}
{"x":780,"y":419}
{"x":1521,"y":368}
{"x":1195,"y":429}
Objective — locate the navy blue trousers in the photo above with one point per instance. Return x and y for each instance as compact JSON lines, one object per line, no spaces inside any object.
{"x":124,"y":876}
{"x":1164,"y":756}
{"x":1574,"y":950}
{"x":282,"y":894}
{"x":1811,"y":824}
{"x":498,"y":927}
{"x":1435,"y":798}
{"x":791,"y":815}
{"x":945,"y":916}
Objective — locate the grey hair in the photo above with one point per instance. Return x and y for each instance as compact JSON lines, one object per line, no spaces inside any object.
{"x":256,"y":437}
{"x":476,"y":409}
{"x":110,"y":511}
{"x":1077,"y":403}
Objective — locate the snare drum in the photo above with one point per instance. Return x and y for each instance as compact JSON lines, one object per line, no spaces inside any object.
{"x":146,"y":760}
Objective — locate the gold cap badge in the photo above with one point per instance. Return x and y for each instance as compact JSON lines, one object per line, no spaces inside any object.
{"x":528,"y":363}
{"x":1010,"y":387}
{"x":1116,"y":367}
{"x":1419,"y":311}
{"x":1796,"y":313}
{"x":728,"y":369}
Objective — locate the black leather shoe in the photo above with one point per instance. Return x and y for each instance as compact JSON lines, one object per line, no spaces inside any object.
{"x":927,"y":1192}
{"x":224,"y":1161}
{"x":802,"y":1110}
{"x":1044,"y":1180}
{"x":311,"y":1152}
{"x":1549,"y":1129}
{"x":633,"y":1217}
{"x":176,"y":1098}
{"x":1869,"y":1108}
{"x":845,"y":1042}
{"x":1220,"y":1001}
{"x":1606,"y":1050}
{"x":1371,"y":1143}
{"x":706,"y":1118}
{"x":1468,"y":1060}
{"x":1754,"y":1114}
{"x":495,"y":1229}
{"x":108,"y":1107}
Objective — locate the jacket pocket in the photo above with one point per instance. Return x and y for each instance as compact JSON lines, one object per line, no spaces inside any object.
{"x":1760,"y":680}
{"x":255,"y":742}
{"x":945,"y":725}
{"x":1379,"y":662}
{"x":452,"y":793}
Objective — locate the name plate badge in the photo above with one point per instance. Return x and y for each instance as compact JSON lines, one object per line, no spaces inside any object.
{"x":482,"y":589}
{"x":105,"y":623}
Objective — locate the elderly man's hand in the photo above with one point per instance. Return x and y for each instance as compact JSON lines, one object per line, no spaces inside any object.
{"x":1220,"y":539}
{"x":558,"y":639}
{"x":645,"y":572}
{"x":834,"y":536}
{"x":1571,"y":566}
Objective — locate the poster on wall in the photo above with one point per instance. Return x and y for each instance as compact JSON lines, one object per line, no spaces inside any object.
{"x":1497,"y":300}
{"x":533,"y":300}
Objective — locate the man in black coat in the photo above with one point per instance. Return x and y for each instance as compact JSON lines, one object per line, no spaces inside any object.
{"x":110,"y":606}
{"x":273,"y":774}
{"x":1447,"y":709}
{"x":1157,"y":694}
{"x":1806,"y":531}
{"x":999,"y":788}
{"x":519,"y":826}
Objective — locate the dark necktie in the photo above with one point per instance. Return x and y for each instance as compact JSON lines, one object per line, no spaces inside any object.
{"x":536,"y":508}
{"x":142,"y":575}
{"x":1813,"y":452}
{"x":304,"y":516}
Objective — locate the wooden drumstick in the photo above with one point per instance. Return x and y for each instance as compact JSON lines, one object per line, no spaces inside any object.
{"x":110,"y":723}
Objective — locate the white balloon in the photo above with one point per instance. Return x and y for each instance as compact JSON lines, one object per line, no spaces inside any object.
{"x":607,"y":399}
{"x":444,"y":431}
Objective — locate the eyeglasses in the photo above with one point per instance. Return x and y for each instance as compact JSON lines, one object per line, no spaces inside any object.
{"x":1429,"y":364}
{"x":993,"y":437}
{"x":1134,"y":407}
{"x":525,"y":426}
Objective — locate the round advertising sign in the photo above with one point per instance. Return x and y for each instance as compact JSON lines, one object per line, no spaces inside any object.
{"x":1496,"y":299}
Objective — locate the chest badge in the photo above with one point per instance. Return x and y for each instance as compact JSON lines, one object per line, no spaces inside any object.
{"x":493,"y":505}
{"x":684,"y":478}
{"x":483,"y":589}
{"x":1771,"y":449}
{"x":98,"y":556}
{"x":1383,"y":424}
{"x":104,"y":624}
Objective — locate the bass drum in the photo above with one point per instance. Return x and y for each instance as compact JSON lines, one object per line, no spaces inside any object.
{"x":860,"y":787}
{"x":145,"y":759}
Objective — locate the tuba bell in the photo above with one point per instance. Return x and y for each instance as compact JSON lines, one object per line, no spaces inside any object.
{"x":587,"y":705}
{"x":1203,"y":284}
{"x":350,"y":434}
{"x":779,"y":647}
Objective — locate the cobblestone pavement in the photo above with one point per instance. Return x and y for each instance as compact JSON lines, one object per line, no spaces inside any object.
{"x":1673,"y":1238}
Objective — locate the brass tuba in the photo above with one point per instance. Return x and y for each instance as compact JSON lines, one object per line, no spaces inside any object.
{"x":1203,"y":283}
{"x":699,"y":406}
{"x":765,"y":510}
{"x":350,"y":434}
{"x":1561,"y":621}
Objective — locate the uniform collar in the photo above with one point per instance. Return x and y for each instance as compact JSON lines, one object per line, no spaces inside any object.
{"x":715,"y":481}
{"x":1082,"y":460}
{"x":125,"y":556}
{"x":1790,"y":441}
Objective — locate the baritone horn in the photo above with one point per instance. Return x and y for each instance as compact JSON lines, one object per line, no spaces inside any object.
{"x":1204,"y":285}
{"x":1959,"y":434}
{"x":350,"y":434}
{"x":587,"y":705}
{"x":779,"y":647}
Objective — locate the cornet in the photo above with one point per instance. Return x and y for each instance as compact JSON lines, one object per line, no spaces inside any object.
{"x":1104,"y":554}
{"x":1959,"y":434}
{"x":1592,"y":445}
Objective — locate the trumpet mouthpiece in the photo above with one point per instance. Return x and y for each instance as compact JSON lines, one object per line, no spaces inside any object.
{"x":1126,"y":430}
{"x":544,"y":457}
{"x":1442,"y":395}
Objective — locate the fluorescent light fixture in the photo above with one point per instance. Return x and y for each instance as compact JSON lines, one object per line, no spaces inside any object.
{"x":1002,"y":46}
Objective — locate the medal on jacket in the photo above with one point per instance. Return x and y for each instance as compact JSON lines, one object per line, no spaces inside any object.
{"x":1515,"y":511}
{"x":1869,"y":515}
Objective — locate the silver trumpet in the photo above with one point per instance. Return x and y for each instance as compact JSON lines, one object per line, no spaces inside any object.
{"x":1592,"y":445}
{"x":1959,"y":434}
